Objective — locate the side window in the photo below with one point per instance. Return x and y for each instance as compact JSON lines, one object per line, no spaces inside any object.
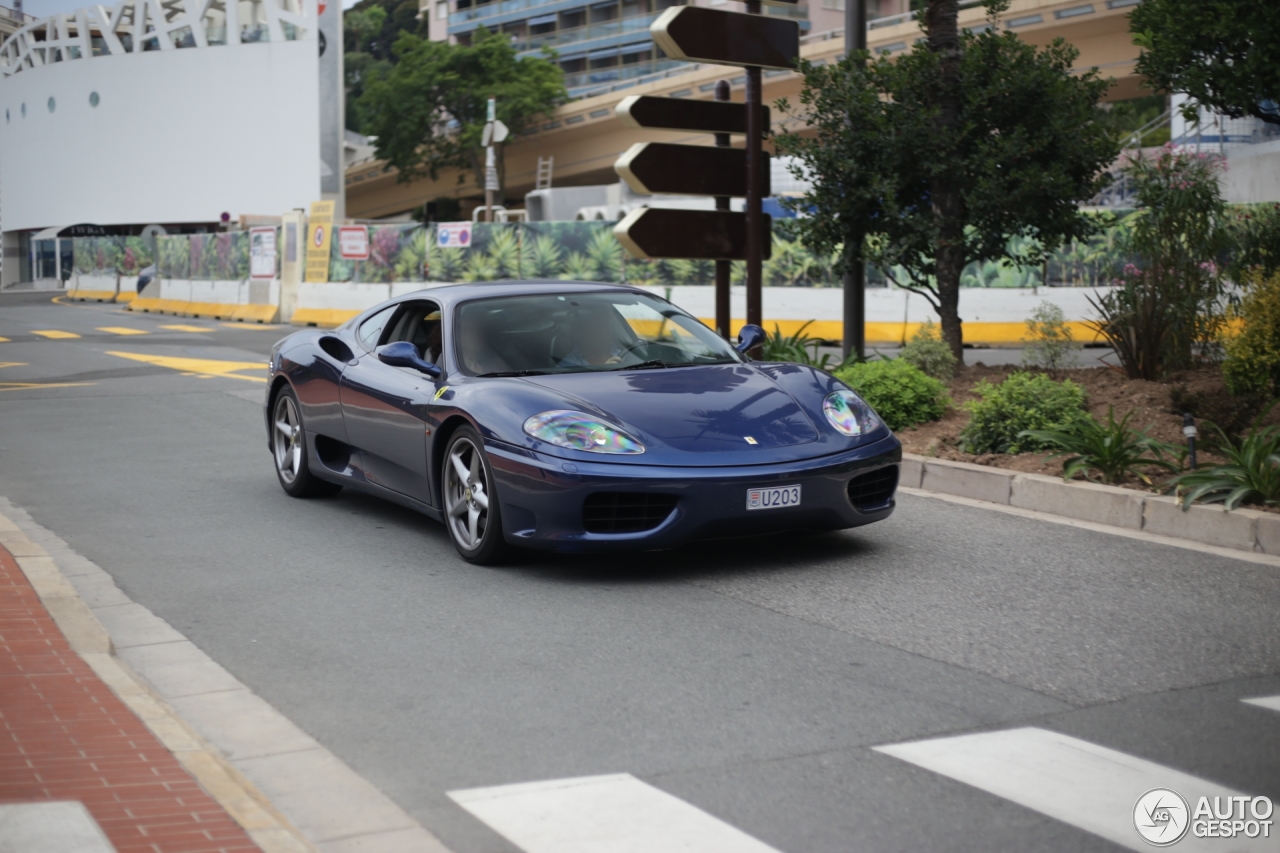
{"x":419,"y":324}
{"x":371,"y":329}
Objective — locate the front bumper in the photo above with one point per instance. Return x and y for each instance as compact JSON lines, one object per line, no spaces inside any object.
{"x":542,"y":497}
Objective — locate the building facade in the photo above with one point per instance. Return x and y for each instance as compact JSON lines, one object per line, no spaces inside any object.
{"x":168,"y":114}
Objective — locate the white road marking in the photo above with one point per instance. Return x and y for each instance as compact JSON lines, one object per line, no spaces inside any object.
{"x":601,"y":814}
{"x":1272,"y":702}
{"x":1079,"y":783}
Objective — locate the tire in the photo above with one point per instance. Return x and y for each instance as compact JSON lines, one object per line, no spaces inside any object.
{"x":472,"y":514}
{"x":289,"y":450}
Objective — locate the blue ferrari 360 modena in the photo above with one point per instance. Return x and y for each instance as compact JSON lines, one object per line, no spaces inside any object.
{"x":571,"y":416}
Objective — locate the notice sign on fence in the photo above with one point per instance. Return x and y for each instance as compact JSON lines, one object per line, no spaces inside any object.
{"x":262,"y":253}
{"x":453,"y":235}
{"x":353,"y":242}
{"x":319,"y":236}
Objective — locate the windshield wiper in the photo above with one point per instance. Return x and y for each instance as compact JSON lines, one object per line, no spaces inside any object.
{"x":514,"y":373}
{"x":652,"y":364}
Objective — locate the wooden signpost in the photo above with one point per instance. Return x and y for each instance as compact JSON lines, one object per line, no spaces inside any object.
{"x":699,"y":34}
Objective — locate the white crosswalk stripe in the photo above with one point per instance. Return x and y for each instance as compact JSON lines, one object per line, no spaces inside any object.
{"x":1272,"y":702}
{"x":601,"y":814}
{"x":1085,"y":785}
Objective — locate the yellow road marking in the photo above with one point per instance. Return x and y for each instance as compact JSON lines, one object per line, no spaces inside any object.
{"x":122,"y":330}
{"x":250,"y":325}
{"x":203,"y":367}
{"x":27,"y":386}
{"x":13,"y":364}
{"x":181,"y":328}
{"x":53,"y":333}
{"x":4,"y":340}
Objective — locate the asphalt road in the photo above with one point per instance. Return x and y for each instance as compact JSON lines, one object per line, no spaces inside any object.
{"x":749,"y":678}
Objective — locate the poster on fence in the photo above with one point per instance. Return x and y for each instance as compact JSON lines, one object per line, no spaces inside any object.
{"x":353,"y":242}
{"x":262,"y":253}
{"x":453,"y":235}
{"x":319,"y":236}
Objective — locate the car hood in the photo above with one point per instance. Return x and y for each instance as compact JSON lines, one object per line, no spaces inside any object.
{"x":729,"y":408}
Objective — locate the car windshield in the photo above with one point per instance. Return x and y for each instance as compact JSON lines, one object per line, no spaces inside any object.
{"x":579,"y":332}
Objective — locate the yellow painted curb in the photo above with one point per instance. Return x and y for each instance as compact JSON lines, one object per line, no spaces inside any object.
{"x":256,"y":313}
{"x":895,"y":334}
{"x":126,"y":296}
{"x":159,"y":306}
{"x":98,"y":295}
{"x":325,"y":318}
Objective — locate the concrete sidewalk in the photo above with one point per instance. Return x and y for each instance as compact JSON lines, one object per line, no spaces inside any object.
{"x":65,"y":736}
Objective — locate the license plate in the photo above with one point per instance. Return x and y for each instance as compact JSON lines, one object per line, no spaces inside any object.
{"x":774,"y":497}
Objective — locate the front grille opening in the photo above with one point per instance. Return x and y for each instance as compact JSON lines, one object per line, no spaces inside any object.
{"x":874,"y":489}
{"x":625,"y":512}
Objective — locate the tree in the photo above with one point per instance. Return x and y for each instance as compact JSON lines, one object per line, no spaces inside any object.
{"x":941,"y":157}
{"x":429,"y":109}
{"x":1224,"y":54}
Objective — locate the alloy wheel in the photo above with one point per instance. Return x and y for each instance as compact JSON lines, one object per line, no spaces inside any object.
{"x":287,"y":440}
{"x":466,"y":494}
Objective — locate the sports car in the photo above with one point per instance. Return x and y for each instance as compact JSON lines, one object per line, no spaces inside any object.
{"x":571,"y":416}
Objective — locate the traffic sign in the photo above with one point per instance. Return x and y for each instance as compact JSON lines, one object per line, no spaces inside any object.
{"x":699,"y":34}
{"x":646,"y":111}
{"x":716,"y":235}
{"x":661,"y":167}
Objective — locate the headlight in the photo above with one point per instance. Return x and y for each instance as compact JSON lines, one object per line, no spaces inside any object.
{"x":579,"y":431}
{"x":849,"y":414}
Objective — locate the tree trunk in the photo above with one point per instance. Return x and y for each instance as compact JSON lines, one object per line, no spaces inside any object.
{"x":948,"y":203}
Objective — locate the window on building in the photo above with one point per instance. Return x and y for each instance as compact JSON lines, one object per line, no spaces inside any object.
{"x":442,"y":10}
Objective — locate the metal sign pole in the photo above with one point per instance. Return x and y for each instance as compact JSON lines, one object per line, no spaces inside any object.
{"x":722,"y":267}
{"x":855,"y":278}
{"x":755,"y":182}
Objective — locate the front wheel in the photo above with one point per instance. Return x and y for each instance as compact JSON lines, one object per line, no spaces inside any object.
{"x":472,"y":513}
{"x":289,"y":450}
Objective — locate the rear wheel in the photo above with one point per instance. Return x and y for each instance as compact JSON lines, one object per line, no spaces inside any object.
{"x":289,"y":450}
{"x":472,"y":513}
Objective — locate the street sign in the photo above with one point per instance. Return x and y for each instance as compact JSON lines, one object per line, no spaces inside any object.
{"x":661,"y":167}
{"x":653,"y":232}
{"x":453,"y":235}
{"x":699,"y":34}
{"x":353,"y":242}
{"x":494,"y":132}
{"x":645,"y":111}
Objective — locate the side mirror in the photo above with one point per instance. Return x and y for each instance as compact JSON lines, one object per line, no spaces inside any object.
{"x":405,"y":354}
{"x":749,"y":337}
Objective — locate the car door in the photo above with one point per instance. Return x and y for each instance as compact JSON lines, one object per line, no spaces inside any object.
{"x":385,"y":408}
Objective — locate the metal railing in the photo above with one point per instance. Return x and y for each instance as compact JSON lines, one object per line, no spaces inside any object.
{"x":618,"y":26}
{"x":585,"y":83}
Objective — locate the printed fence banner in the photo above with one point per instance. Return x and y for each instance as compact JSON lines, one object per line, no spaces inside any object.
{"x":319,"y":238}
{"x":175,"y":256}
{"x":220,"y":257}
{"x":397,"y":252}
{"x":111,"y":255}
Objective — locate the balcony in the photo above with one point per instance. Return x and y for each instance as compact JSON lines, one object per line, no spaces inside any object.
{"x":591,"y":32}
{"x":619,"y":76}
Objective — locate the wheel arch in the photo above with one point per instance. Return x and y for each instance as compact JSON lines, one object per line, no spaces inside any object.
{"x":272,"y":393}
{"x":444,"y":432}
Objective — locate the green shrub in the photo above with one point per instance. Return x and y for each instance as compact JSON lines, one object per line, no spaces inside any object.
{"x":1251,"y":473}
{"x":1049,"y":342}
{"x":929,"y":352}
{"x":1023,"y":401}
{"x":899,"y":391}
{"x":1113,"y":450}
{"x":1253,"y":356}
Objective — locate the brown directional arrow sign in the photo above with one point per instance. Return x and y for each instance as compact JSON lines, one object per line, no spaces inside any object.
{"x":646,"y":111}
{"x":660,"y":167}
{"x":715,"y":235}
{"x":699,"y":34}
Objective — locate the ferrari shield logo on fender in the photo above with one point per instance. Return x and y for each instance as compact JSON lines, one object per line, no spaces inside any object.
{"x":750,"y":440}
{"x":440,"y":393}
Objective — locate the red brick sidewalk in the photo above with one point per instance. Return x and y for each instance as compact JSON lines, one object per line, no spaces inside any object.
{"x":65,"y":736}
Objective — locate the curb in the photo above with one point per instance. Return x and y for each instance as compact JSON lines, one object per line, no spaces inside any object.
{"x":1240,"y":529}
{"x":289,"y":793}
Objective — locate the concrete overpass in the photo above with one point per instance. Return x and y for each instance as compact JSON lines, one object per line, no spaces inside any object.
{"x":585,"y":137}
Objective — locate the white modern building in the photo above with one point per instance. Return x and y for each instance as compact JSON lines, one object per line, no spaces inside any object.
{"x":164,"y":112}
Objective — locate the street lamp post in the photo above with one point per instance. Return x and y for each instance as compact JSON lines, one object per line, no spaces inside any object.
{"x":855,"y":296}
